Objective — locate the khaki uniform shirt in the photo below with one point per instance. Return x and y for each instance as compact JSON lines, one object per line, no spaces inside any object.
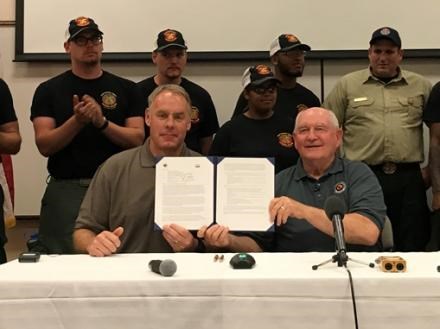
{"x":381,"y":121}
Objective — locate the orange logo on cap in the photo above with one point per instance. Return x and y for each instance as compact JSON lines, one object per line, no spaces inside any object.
{"x":291,"y":38}
{"x":301,"y":107}
{"x":170,"y":35}
{"x":262,"y":69}
{"x":82,"y":21}
{"x":285,"y":139}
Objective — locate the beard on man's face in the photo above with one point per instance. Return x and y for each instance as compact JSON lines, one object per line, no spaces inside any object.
{"x":289,"y":71}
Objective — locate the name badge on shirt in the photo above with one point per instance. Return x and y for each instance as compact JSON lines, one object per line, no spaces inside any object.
{"x":360,"y":99}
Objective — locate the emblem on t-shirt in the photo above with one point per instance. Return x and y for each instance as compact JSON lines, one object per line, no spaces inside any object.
{"x":108,"y":100}
{"x":340,"y":187}
{"x":285,"y":139}
{"x":301,"y":107}
{"x":195,"y":115}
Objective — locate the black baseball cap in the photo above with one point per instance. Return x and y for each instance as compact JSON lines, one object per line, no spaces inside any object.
{"x":170,"y":38}
{"x":286,"y":42}
{"x":257,"y":75}
{"x":386,"y":33}
{"x":81,"y":24}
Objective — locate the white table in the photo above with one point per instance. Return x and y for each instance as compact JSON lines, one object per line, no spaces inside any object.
{"x":282,"y":291}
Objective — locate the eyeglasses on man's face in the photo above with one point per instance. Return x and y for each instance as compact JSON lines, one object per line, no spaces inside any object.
{"x":84,"y":40}
{"x":293,"y":53}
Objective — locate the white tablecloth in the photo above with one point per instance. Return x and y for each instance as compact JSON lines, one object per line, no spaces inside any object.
{"x":282,"y":291}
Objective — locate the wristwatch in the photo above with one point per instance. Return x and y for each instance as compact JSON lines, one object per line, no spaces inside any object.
{"x":104,"y":125}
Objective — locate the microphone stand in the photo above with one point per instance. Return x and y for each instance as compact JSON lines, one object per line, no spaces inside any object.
{"x":341,"y":256}
{"x":341,"y":259}
{"x":335,"y":210}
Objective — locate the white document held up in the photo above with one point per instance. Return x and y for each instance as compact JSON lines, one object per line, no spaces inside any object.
{"x":245,"y":187}
{"x":185,"y":192}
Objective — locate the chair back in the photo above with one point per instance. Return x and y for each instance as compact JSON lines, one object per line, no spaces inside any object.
{"x":387,"y":235}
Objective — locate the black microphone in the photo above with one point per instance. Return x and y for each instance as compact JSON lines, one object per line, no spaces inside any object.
{"x":335,"y":210}
{"x":165,"y":267}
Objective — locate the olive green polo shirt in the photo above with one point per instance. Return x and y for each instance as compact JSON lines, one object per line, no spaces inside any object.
{"x":122,"y":194}
{"x":381,"y":121}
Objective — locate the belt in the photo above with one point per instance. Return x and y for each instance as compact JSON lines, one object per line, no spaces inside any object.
{"x":85,"y":182}
{"x":390,"y":168}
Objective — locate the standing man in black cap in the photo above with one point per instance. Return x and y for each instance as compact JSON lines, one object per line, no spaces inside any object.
{"x":381,"y":109}
{"x":259,"y":132}
{"x":81,"y":117}
{"x":170,"y":58}
{"x":287,"y":55}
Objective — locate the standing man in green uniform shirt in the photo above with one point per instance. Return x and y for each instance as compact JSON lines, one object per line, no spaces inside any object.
{"x":381,"y":109}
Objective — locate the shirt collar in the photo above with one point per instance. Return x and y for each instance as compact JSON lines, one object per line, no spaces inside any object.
{"x":149,"y":160}
{"x":335,"y":167}
{"x":401,"y":77}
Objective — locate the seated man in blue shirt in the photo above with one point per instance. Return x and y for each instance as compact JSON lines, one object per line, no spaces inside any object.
{"x":301,"y":224}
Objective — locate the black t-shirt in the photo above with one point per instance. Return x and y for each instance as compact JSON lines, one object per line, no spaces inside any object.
{"x":432,"y":112}
{"x":7,"y":112}
{"x":246,"y":137}
{"x":119,"y":99}
{"x":204,"y":121}
{"x":289,"y":101}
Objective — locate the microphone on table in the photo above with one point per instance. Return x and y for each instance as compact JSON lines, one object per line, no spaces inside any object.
{"x":335,"y":210}
{"x":165,"y":267}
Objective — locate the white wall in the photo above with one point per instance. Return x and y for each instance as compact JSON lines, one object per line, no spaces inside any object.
{"x":222,"y":80}
{"x":231,"y":25}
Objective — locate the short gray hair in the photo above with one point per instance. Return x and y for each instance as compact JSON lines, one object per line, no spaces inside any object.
{"x":333,"y":119}
{"x":172,"y":88}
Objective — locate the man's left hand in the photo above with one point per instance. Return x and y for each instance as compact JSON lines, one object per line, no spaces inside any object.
{"x":216,"y":236}
{"x":93,"y":110}
{"x":179,"y":238}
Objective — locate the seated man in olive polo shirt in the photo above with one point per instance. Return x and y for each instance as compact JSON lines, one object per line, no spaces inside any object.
{"x":117,"y":214}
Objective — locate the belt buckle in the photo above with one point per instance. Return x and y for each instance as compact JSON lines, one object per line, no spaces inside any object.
{"x":389,"y":168}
